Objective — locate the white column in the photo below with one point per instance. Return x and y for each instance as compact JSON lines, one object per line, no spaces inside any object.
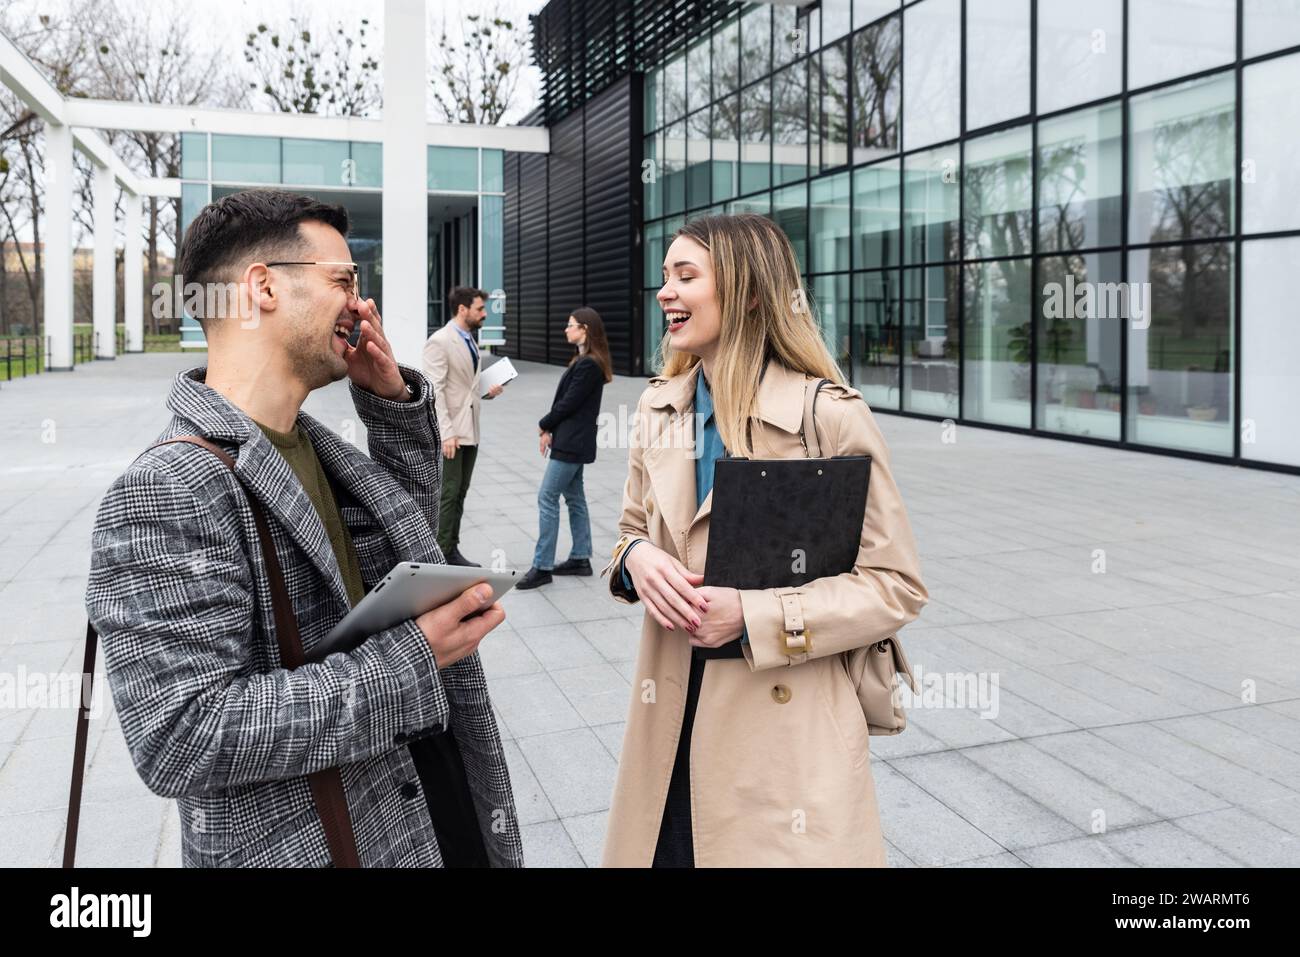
{"x":405,"y":204}
{"x":57,"y":241}
{"x":133,"y":275}
{"x":105,"y":282}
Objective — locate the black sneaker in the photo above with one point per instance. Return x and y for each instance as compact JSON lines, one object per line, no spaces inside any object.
{"x":573,"y":566}
{"x":456,"y":558}
{"x":532,"y":578}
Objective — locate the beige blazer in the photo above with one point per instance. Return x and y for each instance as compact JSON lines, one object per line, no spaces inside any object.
{"x":780,"y":753}
{"x":454,"y":377}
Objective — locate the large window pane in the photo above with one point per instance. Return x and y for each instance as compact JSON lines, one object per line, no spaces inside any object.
{"x":831,"y":297}
{"x":697,"y":75}
{"x":453,"y":168}
{"x":1080,"y":326}
{"x":194,"y":196}
{"x":996,"y":373}
{"x":866,"y":11}
{"x":655,"y":330}
{"x":673,"y":168}
{"x":726,"y":148}
{"x":790,"y":212}
{"x":245,"y":159}
{"x":999,"y":194}
{"x":930,"y":202}
{"x":930,"y":340}
{"x":1270,"y":199}
{"x":368,"y":163}
{"x":877,"y":61}
{"x":697,"y":159}
{"x":1180,"y":368}
{"x":1080,"y":52}
{"x":836,"y":15}
{"x":651,"y":177}
{"x":1270,"y":351}
{"x":492,"y":213}
{"x":789,"y":38}
{"x":932,"y":80}
{"x":829,"y":215}
{"x":194,"y":156}
{"x":1181,"y":161}
{"x":760,"y":203}
{"x":674,"y":98}
{"x":1270,"y":25}
{"x":790,"y":123}
{"x":997,"y":61}
{"x":317,"y":163}
{"x":726,"y":58}
{"x":876,"y":202}
{"x":876,"y":337}
{"x":1080,"y":179}
{"x":835,"y":89}
{"x":652,"y":253}
{"x":756,"y":42}
{"x":1172,"y":38}
{"x":493,"y":171}
{"x":755,"y":137}
{"x":652,"y":100}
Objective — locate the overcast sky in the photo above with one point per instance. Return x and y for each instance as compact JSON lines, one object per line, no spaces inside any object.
{"x":228,"y":21}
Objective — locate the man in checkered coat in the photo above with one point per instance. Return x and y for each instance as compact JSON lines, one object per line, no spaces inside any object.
{"x":180,"y":596}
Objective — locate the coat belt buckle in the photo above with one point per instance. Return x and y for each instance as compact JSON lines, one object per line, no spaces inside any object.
{"x":797,"y":642}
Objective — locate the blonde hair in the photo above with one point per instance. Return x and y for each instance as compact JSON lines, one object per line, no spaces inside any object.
{"x":753,"y":262}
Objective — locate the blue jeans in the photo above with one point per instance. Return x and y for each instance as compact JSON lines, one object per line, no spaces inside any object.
{"x":561,"y":478}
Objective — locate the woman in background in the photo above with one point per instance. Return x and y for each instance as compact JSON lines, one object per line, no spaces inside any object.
{"x":568,"y":432}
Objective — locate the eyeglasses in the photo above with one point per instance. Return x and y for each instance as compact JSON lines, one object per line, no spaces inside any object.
{"x":355,"y":288}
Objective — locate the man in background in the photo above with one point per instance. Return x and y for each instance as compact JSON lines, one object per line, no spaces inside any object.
{"x":452,"y":364}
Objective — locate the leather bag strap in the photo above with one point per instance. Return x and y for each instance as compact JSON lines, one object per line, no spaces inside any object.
{"x":808,"y":430}
{"x":326,"y":784}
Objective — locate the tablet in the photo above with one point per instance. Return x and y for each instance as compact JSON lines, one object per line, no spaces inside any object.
{"x":408,"y":591}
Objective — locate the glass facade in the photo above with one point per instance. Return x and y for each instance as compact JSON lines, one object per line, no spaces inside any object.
{"x":351,"y":173}
{"x":1010,"y":212}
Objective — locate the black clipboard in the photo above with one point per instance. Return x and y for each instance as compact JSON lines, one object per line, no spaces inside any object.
{"x":784,"y":522}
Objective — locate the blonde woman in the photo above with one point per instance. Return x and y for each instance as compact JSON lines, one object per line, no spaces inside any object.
{"x":741,"y":749}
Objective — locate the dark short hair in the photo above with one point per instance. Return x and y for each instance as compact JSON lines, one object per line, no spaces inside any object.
{"x":251,"y":225}
{"x":464,"y":296}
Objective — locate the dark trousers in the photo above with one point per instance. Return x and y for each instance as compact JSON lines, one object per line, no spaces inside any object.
{"x":456,"y":474}
{"x":675,"y":847}
{"x":451,"y":807}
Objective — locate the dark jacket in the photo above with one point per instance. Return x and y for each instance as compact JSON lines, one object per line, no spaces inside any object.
{"x":572,"y":419}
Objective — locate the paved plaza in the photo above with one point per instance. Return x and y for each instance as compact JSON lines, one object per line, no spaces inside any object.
{"x":1135,"y":618}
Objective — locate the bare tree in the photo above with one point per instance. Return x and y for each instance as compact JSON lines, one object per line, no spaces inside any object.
{"x":475,"y":77}
{"x":300,"y":68}
{"x":96,"y":49}
{"x":61,"y":49}
{"x":152,"y":56}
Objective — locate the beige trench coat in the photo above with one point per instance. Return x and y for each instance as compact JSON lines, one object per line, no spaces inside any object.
{"x":780,"y":763}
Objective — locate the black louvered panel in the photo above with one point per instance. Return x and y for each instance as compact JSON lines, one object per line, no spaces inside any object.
{"x":568,"y":245}
{"x":583,"y":47}
{"x":533,"y":266}
{"x":608,"y":211}
{"x":510,"y":255}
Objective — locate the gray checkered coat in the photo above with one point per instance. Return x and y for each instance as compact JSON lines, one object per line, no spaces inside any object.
{"x":181,"y":600}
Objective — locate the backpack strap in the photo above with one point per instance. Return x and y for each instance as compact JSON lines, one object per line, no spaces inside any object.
{"x":326,"y":784}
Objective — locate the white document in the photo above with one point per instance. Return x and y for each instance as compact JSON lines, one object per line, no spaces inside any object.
{"x":498,"y":373}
